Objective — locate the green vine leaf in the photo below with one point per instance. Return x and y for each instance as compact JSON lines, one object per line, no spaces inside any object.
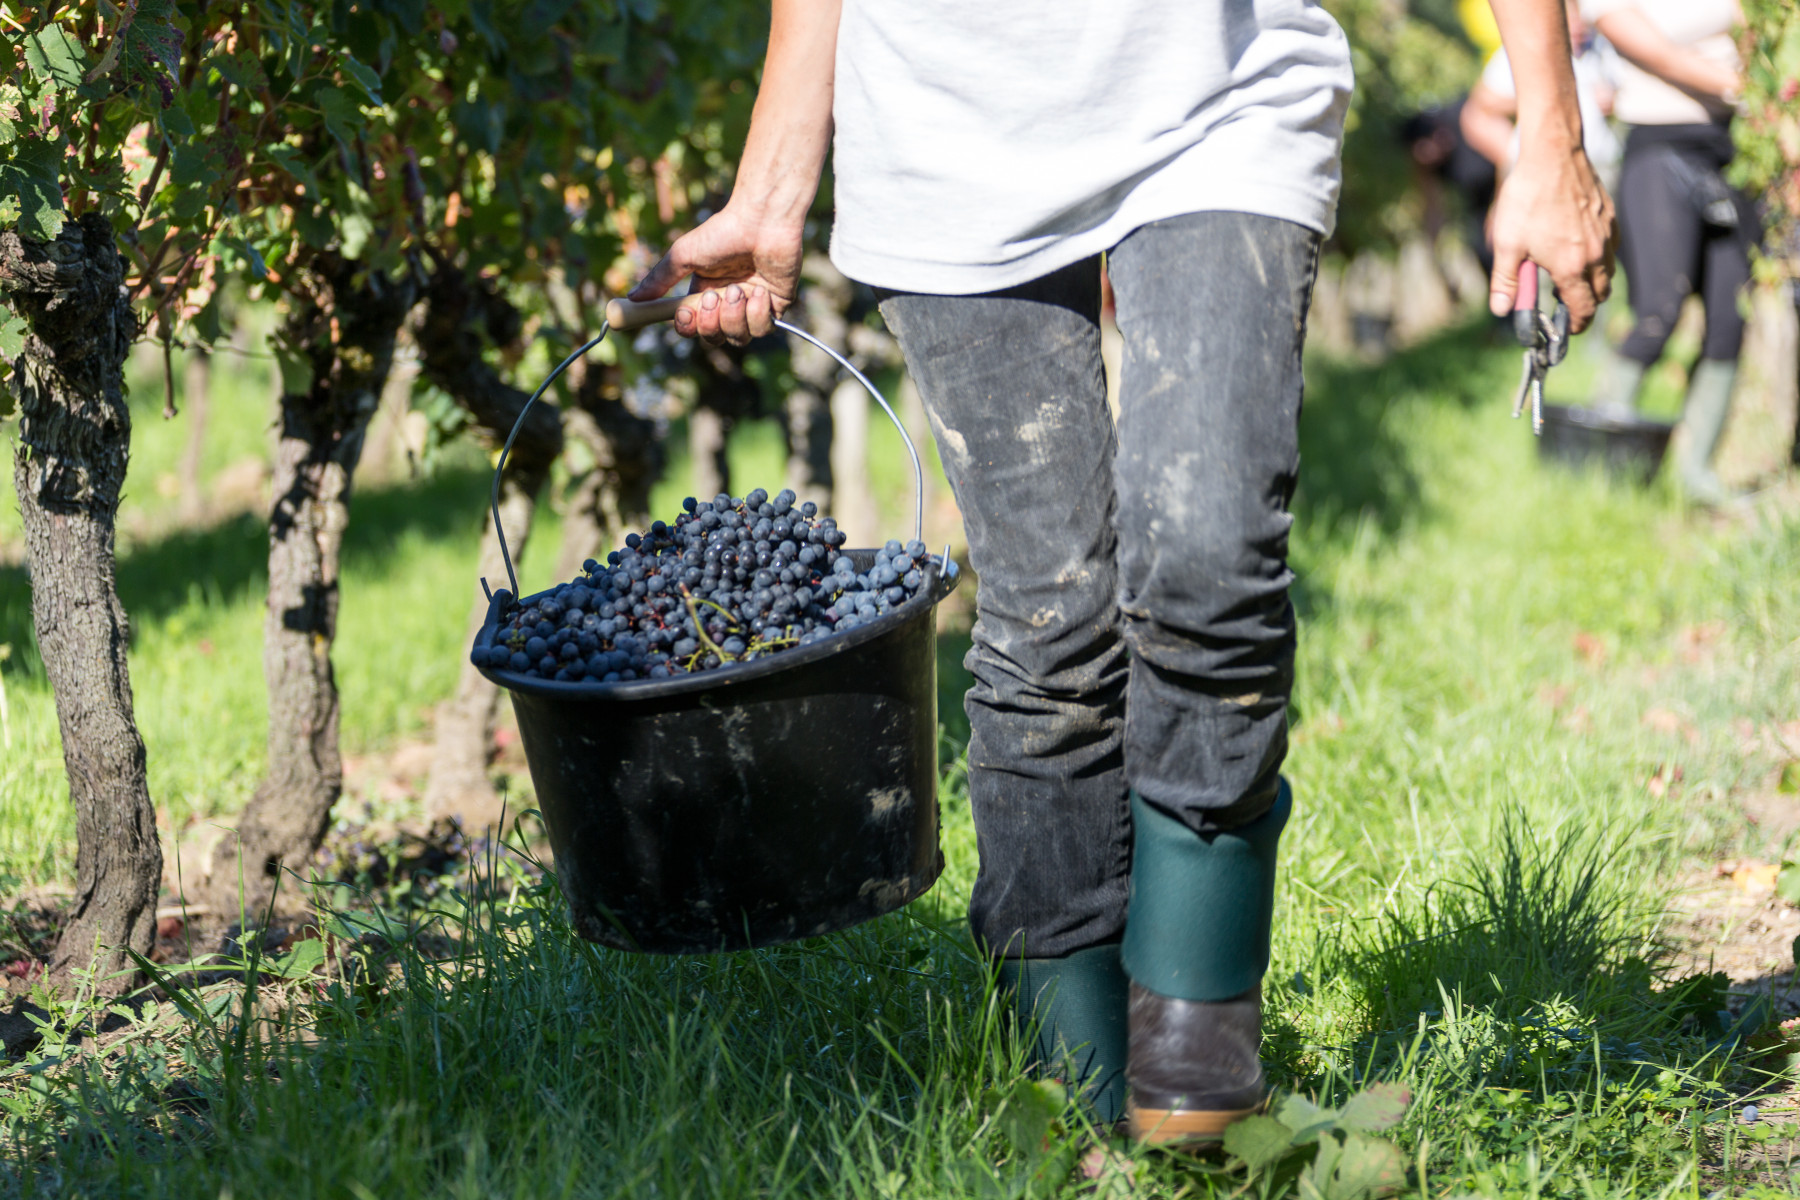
{"x":12,"y":337}
{"x":1258,"y":1142}
{"x":1358,"y":1168}
{"x":342,"y":116}
{"x":29,"y":174}
{"x":1381,"y":1107}
{"x":56,"y":58}
{"x":152,"y":42}
{"x":365,"y":78}
{"x":241,"y":69}
{"x":294,"y":163}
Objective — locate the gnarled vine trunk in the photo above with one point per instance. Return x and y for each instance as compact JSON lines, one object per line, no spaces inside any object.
{"x":462,"y":315}
{"x":69,"y":468}
{"x":346,"y":330}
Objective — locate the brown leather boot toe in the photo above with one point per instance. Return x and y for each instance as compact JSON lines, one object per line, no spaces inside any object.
{"x":1193,"y":1066}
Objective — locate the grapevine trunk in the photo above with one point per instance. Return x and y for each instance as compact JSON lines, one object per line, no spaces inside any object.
{"x":825,"y":297}
{"x":69,"y":469}
{"x":461,"y":316}
{"x":345,"y":330}
{"x":625,"y":458}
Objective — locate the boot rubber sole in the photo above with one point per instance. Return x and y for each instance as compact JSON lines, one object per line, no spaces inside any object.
{"x":1178,"y":1126}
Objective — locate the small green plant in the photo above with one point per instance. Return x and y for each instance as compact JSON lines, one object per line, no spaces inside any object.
{"x":1323,"y":1153}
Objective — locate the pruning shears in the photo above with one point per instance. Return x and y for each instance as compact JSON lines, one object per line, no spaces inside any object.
{"x":1546,"y":341}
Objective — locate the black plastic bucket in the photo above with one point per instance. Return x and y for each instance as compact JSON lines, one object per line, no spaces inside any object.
{"x":748,"y":805}
{"x":1630,"y":447}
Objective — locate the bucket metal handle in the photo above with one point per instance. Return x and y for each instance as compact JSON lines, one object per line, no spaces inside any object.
{"x":632,"y":315}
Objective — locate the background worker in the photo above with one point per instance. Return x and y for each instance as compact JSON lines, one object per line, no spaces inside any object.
{"x":1488,"y":115}
{"x":1683,"y":228}
{"x":1134,"y":646}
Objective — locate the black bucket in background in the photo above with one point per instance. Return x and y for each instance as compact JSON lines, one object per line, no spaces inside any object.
{"x":748,"y":805}
{"x":1630,"y":447}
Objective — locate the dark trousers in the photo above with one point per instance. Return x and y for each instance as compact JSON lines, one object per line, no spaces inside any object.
{"x":1134,"y":628}
{"x":1669,"y":250}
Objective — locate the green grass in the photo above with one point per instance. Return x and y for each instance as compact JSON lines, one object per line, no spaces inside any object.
{"x":1469,"y":905}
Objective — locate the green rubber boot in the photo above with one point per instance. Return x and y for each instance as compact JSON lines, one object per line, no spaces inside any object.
{"x":1201,"y":907}
{"x":1077,"y":1003}
{"x":1196,"y":946}
{"x":1702,"y":423}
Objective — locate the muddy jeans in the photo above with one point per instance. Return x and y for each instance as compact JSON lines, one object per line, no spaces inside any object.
{"x":1134,"y":628}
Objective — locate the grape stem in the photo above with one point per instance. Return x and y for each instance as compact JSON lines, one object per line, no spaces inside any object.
{"x":706,"y":642}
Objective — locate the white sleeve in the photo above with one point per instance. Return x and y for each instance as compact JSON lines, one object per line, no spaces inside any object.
{"x":1605,"y":62}
{"x":1593,"y":10}
{"x":1497,"y":76}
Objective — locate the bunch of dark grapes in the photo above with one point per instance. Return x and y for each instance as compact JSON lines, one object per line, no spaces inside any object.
{"x":732,"y":580}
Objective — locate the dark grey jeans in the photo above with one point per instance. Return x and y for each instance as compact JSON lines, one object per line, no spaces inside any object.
{"x":1133,"y":628}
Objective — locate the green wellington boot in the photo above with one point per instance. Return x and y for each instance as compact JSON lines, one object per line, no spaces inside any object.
{"x":1702,"y":422}
{"x":1078,"y":1005}
{"x":1196,"y":946}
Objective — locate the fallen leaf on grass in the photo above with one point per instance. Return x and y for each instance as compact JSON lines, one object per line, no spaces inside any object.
{"x":1669,"y":723}
{"x":1663,"y":779}
{"x":1696,"y":641}
{"x":1104,"y":1163}
{"x":1755,"y":876}
{"x":1589,"y":648}
{"x":28,"y":969}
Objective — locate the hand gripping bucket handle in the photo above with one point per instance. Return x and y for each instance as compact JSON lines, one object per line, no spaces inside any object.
{"x":624,"y":315}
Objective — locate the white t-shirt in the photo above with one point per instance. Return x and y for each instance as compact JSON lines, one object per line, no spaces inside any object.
{"x":983,"y":144}
{"x":1596,"y":74}
{"x":1704,"y":26}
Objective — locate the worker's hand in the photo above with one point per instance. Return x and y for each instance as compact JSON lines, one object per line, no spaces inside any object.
{"x":1553,"y":211}
{"x":746,"y":273}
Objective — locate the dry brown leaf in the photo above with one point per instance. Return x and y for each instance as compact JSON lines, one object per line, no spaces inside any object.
{"x":1589,"y":648}
{"x":1665,"y":778}
{"x":1755,"y":876}
{"x":1668,"y":723}
{"x":1697,"y":642}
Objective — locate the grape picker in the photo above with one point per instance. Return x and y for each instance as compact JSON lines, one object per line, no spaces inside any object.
{"x":1134,"y":646}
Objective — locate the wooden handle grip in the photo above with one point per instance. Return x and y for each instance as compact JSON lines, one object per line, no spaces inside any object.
{"x":624,"y":315}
